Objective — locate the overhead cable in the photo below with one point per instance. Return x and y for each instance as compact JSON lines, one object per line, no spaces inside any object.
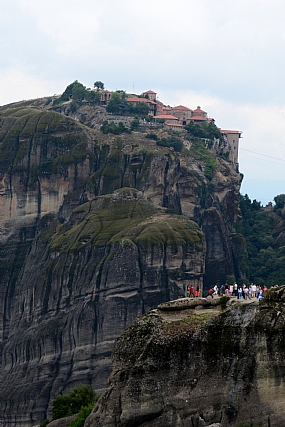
{"x":264,"y":155}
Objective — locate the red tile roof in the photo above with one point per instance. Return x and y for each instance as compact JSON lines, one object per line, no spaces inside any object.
{"x":165,"y":116}
{"x":229,"y":131}
{"x":151,"y":92}
{"x":137,"y":99}
{"x":197,"y":118}
{"x":181,"y":107}
{"x":198,"y":110}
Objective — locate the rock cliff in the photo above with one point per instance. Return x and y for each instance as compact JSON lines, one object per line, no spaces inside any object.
{"x":199,"y":368}
{"x":95,"y":230}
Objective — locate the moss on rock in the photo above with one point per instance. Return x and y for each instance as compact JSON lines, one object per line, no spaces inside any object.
{"x":128,"y":216}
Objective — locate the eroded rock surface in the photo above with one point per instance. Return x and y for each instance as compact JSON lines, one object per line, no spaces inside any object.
{"x":199,"y":369}
{"x":94,"y":230}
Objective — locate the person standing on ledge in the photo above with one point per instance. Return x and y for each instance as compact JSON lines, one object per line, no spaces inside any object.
{"x":210,"y":292}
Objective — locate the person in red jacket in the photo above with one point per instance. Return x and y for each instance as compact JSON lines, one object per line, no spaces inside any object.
{"x":210,"y":292}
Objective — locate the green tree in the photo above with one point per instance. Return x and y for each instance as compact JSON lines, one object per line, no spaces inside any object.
{"x":78,"y":92}
{"x":75,"y":91}
{"x":176,"y":144}
{"x":204,"y":130}
{"x":61,"y":407}
{"x":172,"y":142}
{"x":65,"y":405}
{"x":93,"y":96}
{"x":135,"y":123}
{"x":211,"y":130}
{"x":195,"y":130}
{"x":263,"y":232}
{"x":279,"y":201}
{"x":114,"y":103}
{"x":111,"y":127}
{"x":67,"y":94}
{"x":141,"y":109}
{"x":73,"y":106}
{"x":99,"y":85}
{"x":80,"y":396}
{"x":83,"y":414}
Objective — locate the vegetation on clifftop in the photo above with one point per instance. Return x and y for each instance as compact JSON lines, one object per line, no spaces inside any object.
{"x":199,"y":151}
{"x":264,"y":231}
{"x":207,"y":130}
{"x":80,"y":400}
{"x":77,"y":93}
{"x":135,"y":220}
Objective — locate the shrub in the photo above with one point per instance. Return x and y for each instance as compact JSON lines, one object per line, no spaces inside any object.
{"x":199,"y":150}
{"x":77,"y":92}
{"x":69,"y":404}
{"x":82,"y":395}
{"x":204,"y":130}
{"x":83,"y":414}
{"x":172,"y":142}
{"x":73,"y":106}
{"x":152,"y":135}
{"x":113,"y":128}
{"x":224,"y":301}
{"x":135,"y":123}
{"x":61,"y":407}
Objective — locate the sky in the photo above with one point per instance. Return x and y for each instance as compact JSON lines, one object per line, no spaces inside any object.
{"x":226,"y":56}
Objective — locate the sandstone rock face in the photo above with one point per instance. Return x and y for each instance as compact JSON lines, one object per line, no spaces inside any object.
{"x":116,"y":258}
{"x":91,"y":236}
{"x":199,"y":369}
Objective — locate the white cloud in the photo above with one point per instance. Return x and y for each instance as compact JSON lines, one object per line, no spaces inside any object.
{"x":72,"y":26}
{"x":223,"y":55}
{"x":17,"y":85}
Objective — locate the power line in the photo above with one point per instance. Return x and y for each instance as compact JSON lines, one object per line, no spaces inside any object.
{"x":265,"y":155}
{"x":265,"y":160}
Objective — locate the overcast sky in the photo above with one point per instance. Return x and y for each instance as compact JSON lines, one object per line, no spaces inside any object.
{"x":225,"y":55}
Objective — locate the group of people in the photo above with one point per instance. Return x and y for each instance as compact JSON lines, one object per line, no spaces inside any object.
{"x":193,"y":293}
{"x":242,"y":291}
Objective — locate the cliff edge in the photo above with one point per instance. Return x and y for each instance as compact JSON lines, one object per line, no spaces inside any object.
{"x":199,"y":368}
{"x":95,"y":230}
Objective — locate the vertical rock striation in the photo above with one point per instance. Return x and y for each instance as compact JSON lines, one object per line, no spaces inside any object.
{"x":199,"y":368}
{"x":94,"y":231}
